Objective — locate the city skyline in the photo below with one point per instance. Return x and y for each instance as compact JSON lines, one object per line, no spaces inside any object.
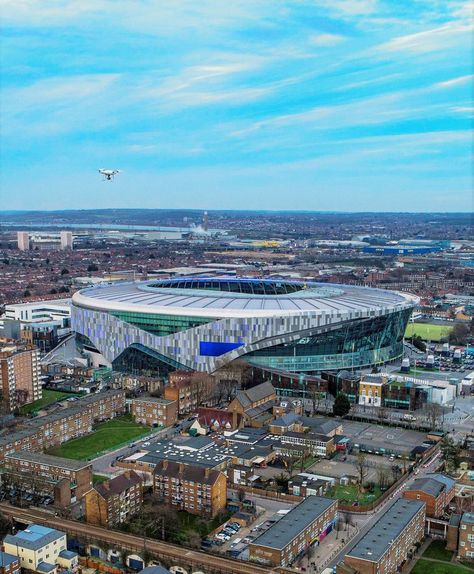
{"x":328,"y":106}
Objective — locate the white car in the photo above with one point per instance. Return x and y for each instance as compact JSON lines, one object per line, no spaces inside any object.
{"x":147,"y":443}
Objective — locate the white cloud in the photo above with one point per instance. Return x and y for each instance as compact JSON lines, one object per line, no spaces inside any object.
{"x":455,"y":81}
{"x":326,"y":39}
{"x":436,"y":39}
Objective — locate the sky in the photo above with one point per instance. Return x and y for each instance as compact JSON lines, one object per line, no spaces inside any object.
{"x":340,"y":105}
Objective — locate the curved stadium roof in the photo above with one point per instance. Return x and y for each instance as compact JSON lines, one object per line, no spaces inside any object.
{"x":221,"y":297}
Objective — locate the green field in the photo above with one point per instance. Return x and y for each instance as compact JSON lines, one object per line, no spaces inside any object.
{"x":437,"y":550}
{"x":425,"y":566}
{"x":106,"y":436}
{"x":427,"y":332}
{"x":49,"y":397}
{"x":350,"y":493}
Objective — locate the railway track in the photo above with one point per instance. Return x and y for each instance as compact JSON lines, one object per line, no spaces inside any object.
{"x":177,"y":555}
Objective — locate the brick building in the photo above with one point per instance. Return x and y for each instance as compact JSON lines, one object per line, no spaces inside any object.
{"x":65,"y":480}
{"x":53,"y":430}
{"x":114,"y":501}
{"x":435,"y":490}
{"x":19,"y":375}
{"x":154,"y":412}
{"x":460,"y":535}
{"x":192,"y":488}
{"x":191,"y":390}
{"x":9,"y":563}
{"x":255,"y":404}
{"x":305,"y":524}
{"x":388,"y":544}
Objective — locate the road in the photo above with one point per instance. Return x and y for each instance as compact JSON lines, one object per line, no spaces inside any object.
{"x":382,"y":509}
{"x":176,"y":555}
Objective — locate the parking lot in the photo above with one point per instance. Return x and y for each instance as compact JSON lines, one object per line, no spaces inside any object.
{"x":381,"y":439}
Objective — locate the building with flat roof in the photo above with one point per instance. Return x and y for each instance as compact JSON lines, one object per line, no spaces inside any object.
{"x":307,"y":523}
{"x":65,"y":480}
{"x":19,"y":375}
{"x":386,"y":546}
{"x":154,"y":412}
{"x":41,"y":549}
{"x":466,"y":536}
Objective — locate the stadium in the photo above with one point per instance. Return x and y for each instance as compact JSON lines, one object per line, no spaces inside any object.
{"x":205,"y":323}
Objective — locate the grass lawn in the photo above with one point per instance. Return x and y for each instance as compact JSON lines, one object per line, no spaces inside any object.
{"x":106,"y":436}
{"x":350,"y":493}
{"x":99,"y":478}
{"x":49,"y":397}
{"x":426,"y":566}
{"x":437,"y":550}
{"x":427,"y":332}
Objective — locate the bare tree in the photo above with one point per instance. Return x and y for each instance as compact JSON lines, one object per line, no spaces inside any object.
{"x":382,"y":476}
{"x":433,"y":412}
{"x":362,"y":467}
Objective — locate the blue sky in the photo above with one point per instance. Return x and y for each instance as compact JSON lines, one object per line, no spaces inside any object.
{"x":351,"y":105}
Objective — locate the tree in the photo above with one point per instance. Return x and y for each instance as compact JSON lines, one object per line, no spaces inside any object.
{"x":451,"y":453}
{"x":341,"y":405}
{"x":382,"y":476}
{"x":26,"y":293}
{"x":92,"y":267}
{"x":459,"y":334}
{"x":418,"y":342}
{"x":362,"y":467}
{"x":65,"y":272}
{"x":433,"y":412}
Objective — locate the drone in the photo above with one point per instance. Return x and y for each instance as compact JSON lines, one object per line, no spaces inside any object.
{"x":108,"y":173}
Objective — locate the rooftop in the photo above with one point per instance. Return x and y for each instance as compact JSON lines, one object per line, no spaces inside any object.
{"x":47,"y":459}
{"x":33,"y":537}
{"x":295,"y":521}
{"x":387,"y":529}
{"x":224,"y":296}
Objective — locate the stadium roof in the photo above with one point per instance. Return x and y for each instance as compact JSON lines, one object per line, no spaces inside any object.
{"x":229,"y":297}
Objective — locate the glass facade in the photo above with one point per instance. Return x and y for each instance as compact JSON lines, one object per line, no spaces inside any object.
{"x":160,"y":325}
{"x":140,"y":360}
{"x":355,"y":344}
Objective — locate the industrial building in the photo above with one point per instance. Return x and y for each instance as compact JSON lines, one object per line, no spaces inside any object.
{"x":203,"y":324}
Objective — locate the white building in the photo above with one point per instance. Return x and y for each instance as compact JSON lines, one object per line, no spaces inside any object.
{"x":66,"y":240}
{"x":41,"y":549}
{"x":57,"y":310}
{"x":23,"y":240}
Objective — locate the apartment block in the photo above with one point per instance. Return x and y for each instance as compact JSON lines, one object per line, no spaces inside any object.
{"x":306,"y":524}
{"x":114,"y":501}
{"x":19,"y":375}
{"x":466,"y":536}
{"x":195,"y":489}
{"x":190,"y":390}
{"x":154,"y":412}
{"x":435,"y":490}
{"x":41,"y":549}
{"x":66,"y":480}
{"x":388,"y":544}
{"x":53,"y":430}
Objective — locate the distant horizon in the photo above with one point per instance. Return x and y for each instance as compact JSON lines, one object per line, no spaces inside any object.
{"x":210,"y":210}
